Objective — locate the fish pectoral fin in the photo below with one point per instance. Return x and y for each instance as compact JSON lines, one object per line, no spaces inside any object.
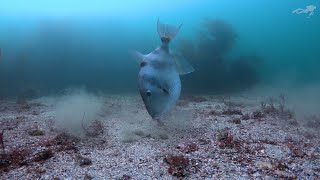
{"x":182,"y":65}
{"x":137,"y":56}
{"x":164,"y":90}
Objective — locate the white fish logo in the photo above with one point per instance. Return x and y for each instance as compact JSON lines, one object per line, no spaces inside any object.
{"x":309,"y":9}
{"x":158,"y":79}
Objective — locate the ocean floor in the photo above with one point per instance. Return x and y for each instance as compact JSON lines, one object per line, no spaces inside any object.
{"x":204,"y":137}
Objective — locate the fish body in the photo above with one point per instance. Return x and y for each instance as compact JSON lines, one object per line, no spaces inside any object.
{"x":158,"y":78}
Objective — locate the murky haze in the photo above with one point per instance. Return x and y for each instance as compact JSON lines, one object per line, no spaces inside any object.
{"x":233,"y":45}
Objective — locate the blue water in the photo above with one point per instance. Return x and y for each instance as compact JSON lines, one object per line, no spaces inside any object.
{"x":53,"y":45}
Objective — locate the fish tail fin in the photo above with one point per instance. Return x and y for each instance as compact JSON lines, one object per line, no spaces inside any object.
{"x":166,"y":31}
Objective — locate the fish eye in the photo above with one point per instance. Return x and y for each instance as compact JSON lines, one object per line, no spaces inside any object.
{"x":143,"y":64}
{"x":148,"y":93}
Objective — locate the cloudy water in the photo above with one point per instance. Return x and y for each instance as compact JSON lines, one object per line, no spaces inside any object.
{"x":262,"y":47}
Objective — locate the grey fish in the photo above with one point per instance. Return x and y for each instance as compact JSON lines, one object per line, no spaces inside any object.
{"x":158,"y":79}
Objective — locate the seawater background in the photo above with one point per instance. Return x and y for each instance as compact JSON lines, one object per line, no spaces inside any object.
{"x":53,"y":45}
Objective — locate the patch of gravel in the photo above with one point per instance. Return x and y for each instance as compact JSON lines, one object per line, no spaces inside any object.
{"x":204,"y":137}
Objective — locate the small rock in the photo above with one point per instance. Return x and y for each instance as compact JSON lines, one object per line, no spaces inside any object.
{"x":43,"y":155}
{"x":83,"y":161}
{"x":213,"y":113}
{"x":230,"y":111}
{"x":163,"y":136}
{"x":87,"y":177}
{"x":246,"y":116}
{"x":3,"y":109}
{"x":203,"y":141}
{"x":295,"y":150}
{"x":126,"y":177}
{"x":188,"y":147}
{"x":264,"y":165}
{"x":4,"y":164}
{"x":257,"y":115}
{"x":35,"y":113}
{"x":191,"y":147}
{"x":236,"y":121}
{"x":36,"y":132}
{"x":275,"y":151}
{"x":284,"y":174}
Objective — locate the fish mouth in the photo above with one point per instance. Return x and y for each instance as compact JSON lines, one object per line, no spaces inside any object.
{"x":157,"y":118}
{"x":153,"y":109}
{"x":149,"y":108}
{"x":154,"y":113}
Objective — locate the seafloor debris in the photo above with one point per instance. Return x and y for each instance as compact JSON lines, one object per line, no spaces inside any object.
{"x":83,"y":161}
{"x":42,"y":154}
{"x":295,"y":149}
{"x":64,"y":142}
{"x":24,"y":156}
{"x":277,"y":107}
{"x":257,"y":115}
{"x":36,"y":132}
{"x":245,"y":116}
{"x":94,"y":129}
{"x":25,"y":95}
{"x":213,"y":146}
{"x":124,"y":177}
{"x":236,"y":120}
{"x":230,"y":111}
{"x":177,"y":165}
{"x":4,"y":164}
{"x":1,"y":140}
{"x":193,"y":98}
{"x":188,"y":147}
{"x":226,"y":139}
{"x":87,"y":177}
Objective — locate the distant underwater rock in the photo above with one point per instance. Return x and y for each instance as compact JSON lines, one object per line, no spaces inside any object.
{"x":214,"y":72}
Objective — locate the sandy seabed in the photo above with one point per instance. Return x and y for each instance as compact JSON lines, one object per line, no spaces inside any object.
{"x":204,"y":137}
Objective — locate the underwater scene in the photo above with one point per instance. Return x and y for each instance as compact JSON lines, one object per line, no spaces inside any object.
{"x":197,"y":89}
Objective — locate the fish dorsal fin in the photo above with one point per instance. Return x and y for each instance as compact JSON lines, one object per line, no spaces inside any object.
{"x":166,"y":31}
{"x":137,"y":56}
{"x":182,"y":65}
